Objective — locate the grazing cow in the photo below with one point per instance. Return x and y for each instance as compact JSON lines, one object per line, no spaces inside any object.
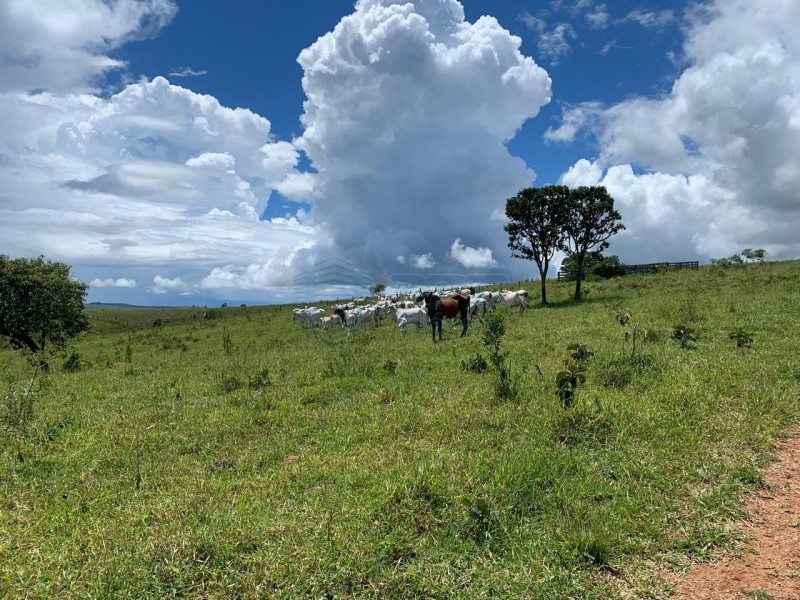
{"x":358,"y":316}
{"x":404,"y":316}
{"x":478,"y":308}
{"x":511,"y":299}
{"x":312,"y":315}
{"x":307,"y":315}
{"x":492,"y":298}
{"x":349,"y":317}
{"x":330,"y":322}
{"x":440,"y":308}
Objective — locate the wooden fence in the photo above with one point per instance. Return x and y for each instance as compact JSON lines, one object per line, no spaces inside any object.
{"x":653,"y":267}
{"x":666,"y":266}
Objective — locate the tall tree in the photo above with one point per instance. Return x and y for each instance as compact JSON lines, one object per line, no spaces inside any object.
{"x":589,"y":223}
{"x":536,"y":217}
{"x":40,"y":304}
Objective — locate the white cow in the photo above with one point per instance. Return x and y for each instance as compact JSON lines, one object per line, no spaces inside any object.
{"x":312,"y":315}
{"x":404,"y":316}
{"x":492,"y":298}
{"x":330,"y":322}
{"x":359,"y":316}
{"x":478,"y":308}
{"x":307,"y":315}
{"x":511,"y":299}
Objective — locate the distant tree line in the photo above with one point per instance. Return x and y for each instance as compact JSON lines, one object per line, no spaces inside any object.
{"x":577,"y":221}
{"x":596,"y":264}
{"x":748,"y":255}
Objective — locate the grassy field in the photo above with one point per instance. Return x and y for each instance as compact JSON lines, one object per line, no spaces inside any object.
{"x":246,"y":456}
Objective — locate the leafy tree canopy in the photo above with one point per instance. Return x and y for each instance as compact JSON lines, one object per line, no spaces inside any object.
{"x":590,"y":222}
{"x":377,"y":289}
{"x":40,"y":303}
{"x":608,"y":267}
{"x":535,"y":221}
{"x":569,"y":266}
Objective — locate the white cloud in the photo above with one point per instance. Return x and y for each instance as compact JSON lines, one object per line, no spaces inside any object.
{"x":122,"y":282}
{"x":612,"y":44}
{"x":553,"y":44}
{"x":162,"y":285}
{"x":218,"y":161}
{"x":715,"y":167}
{"x":572,"y":121}
{"x":408,"y":111}
{"x":63,"y":46}
{"x":534,"y":23}
{"x":599,"y":17}
{"x":650,"y":19}
{"x":187,"y":72}
{"x":424,"y":261}
{"x":155,"y":177}
{"x":472,"y":258}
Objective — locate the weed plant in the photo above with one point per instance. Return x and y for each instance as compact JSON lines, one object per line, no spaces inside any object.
{"x":246,"y":456}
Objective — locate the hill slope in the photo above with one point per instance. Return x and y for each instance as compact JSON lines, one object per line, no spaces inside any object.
{"x":245,"y":455}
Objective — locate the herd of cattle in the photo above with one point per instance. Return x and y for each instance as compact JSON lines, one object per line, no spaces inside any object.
{"x":403,"y":311}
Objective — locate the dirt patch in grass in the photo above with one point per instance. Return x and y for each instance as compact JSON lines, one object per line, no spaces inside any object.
{"x":771,"y":567}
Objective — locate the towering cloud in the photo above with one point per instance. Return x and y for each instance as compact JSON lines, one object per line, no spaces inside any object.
{"x":408,"y":111}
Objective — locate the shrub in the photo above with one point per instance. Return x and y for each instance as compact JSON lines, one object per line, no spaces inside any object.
{"x":758,"y":255}
{"x":477,"y":364}
{"x":727,"y":262}
{"x":686,"y":336}
{"x":227,"y":344}
{"x":230,"y":383}
{"x":567,"y":382}
{"x":608,"y":267}
{"x":72,"y":363}
{"x":493,"y":331}
{"x":481,"y":518}
{"x":580,"y":353}
{"x":741,"y":338}
{"x":260,"y":380}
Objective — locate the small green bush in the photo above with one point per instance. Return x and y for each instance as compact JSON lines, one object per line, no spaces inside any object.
{"x":72,"y":363}
{"x":476,"y":364}
{"x":741,"y":338}
{"x":686,"y":336}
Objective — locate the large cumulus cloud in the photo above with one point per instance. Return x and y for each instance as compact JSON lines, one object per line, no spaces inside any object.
{"x":155,"y":181}
{"x":408,"y":111}
{"x":713,"y":166}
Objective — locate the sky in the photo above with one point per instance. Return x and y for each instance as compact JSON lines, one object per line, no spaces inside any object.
{"x":195,"y":153}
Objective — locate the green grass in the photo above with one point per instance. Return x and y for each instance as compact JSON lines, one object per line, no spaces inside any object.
{"x":245,"y":456}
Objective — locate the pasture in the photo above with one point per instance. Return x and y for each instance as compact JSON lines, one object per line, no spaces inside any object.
{"x":247,"y":456}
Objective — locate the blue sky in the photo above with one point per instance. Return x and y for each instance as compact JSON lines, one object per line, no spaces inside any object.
{"x":196,"y":152}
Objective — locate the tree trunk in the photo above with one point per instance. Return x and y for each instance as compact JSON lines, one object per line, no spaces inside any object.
{"x":26,"y":340}
{"x":543,"y":277}
{"x":578,"y":276}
